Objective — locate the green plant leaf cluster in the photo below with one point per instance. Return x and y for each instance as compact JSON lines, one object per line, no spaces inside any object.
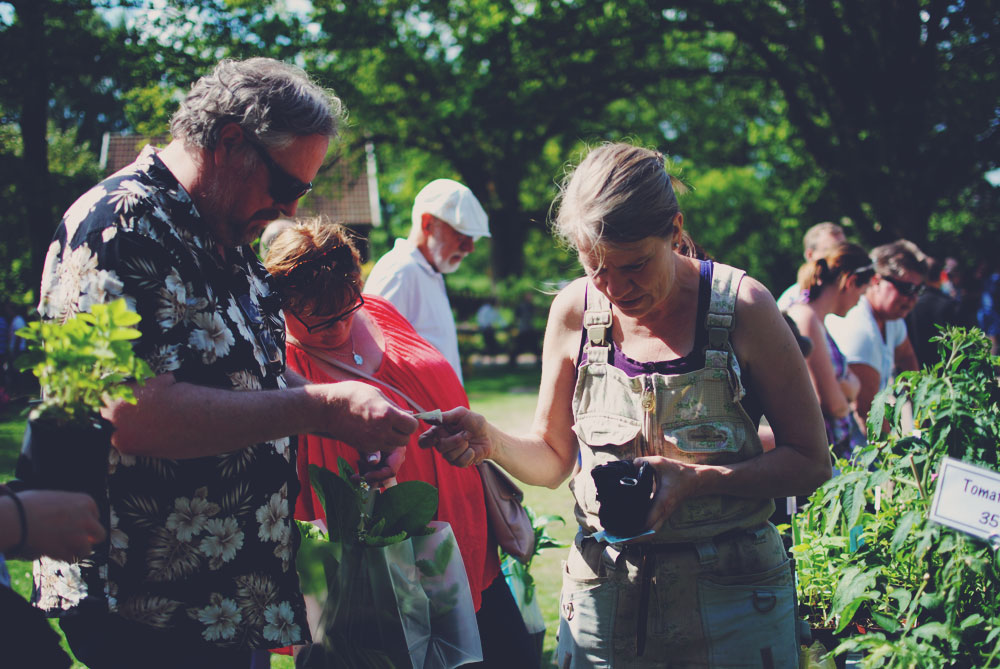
{"x":543,"y":540}
{"x":867,"y":556}
{"x":84,"y":363}
{"x":358,"y":514}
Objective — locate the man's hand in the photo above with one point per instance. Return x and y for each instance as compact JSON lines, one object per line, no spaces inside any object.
{"x":360,"y":415}
{"x":62,"y":525}
{"x":462,"y":437}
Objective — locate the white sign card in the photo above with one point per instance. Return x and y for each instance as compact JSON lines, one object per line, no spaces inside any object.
{"x":967,"y":499}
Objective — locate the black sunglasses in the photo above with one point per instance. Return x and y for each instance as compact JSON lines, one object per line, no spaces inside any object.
{"x":905,"y":288}
{"x":283,"y":186}
{"x":333,"y":320}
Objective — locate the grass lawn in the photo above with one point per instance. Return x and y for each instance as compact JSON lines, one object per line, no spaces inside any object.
{"x":504,"y":396}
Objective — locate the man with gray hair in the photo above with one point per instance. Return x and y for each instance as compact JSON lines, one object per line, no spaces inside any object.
{"x":199,"y":570}
{"x":446,"y":220}
{"x":818,"y":240}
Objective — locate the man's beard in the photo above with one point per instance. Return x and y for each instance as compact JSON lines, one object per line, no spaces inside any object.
{"x":445,"y":264}
{"x":220,"y":200}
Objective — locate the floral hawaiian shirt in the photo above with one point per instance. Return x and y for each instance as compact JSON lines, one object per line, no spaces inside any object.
{"x":202,"y":546}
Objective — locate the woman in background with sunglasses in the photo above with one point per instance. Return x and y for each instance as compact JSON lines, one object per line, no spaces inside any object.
{"x":832,"y":284}
{"x":872,"y":336}
{"x":334,"y":334}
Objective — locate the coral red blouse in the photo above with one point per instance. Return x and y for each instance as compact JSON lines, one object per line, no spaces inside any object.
{"x":416,"y":368}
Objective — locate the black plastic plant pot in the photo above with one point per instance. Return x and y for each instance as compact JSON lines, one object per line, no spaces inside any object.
{"x":70,"y":457}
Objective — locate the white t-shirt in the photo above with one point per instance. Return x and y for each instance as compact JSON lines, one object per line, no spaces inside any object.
{"x":858,"y":337}
{"x":404,"y":277}
{"x":789,"y":297}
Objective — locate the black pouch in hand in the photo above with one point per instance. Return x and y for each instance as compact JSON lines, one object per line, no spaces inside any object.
{"x":624,"y":492}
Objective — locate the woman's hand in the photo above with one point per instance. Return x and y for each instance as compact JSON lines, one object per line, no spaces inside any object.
{"x":462,"y":437}
{"x":675,"y":482}
{"x":850,"y":384}
{"x":379,"y":469}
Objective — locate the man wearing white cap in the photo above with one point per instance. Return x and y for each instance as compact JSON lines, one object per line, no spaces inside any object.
{"x":447,"y":219}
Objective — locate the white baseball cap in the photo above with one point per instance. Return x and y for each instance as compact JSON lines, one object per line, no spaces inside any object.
{"x":454,"y":204}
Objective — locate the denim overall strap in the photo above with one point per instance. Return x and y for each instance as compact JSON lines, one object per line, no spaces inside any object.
{"x":720,"y":321}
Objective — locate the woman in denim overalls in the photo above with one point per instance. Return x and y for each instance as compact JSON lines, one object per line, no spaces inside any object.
{"x":669,"y":360}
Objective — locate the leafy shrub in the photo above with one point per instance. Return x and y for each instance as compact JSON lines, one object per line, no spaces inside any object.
{"x":867,"y":557}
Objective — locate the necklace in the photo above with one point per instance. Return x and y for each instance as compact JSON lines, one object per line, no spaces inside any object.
{"x":358,"y":360}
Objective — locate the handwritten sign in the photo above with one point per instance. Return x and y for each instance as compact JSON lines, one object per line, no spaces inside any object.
{"x":968,"y":499}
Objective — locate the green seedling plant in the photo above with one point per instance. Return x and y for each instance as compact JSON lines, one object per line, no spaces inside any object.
{"x":543,"y":540}
{"x":83,"y":363}
{"x":330,"y":563}
{"x":869,"y":561}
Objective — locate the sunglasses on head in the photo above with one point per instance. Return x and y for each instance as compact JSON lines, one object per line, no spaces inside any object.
{"x":905,"y":288}
{"x":864,"y":274}
{"x":339,"y":259}
{"x":283,"y":187}
{"x":333,"y":320}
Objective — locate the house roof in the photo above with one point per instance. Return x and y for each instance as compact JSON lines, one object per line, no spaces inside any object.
{"x":346,"y":191}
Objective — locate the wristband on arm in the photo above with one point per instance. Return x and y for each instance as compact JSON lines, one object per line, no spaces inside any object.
{"x":19,"y":546}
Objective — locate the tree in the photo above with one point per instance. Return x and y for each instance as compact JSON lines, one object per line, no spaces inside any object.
{"x":896,"y":101}
{"x":486,"y":84}
{"x":60,"y":61}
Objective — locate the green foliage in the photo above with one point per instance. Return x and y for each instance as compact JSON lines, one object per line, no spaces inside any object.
{"x":84,"y":363}
{"x":359,"y":514}
{"x":869,"y":556}
{"x":543,"y":540}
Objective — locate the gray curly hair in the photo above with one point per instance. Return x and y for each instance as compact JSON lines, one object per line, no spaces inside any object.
{"x":272,"y":102}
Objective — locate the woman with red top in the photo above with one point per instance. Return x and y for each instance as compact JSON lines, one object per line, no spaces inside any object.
{"x":332,"y":332}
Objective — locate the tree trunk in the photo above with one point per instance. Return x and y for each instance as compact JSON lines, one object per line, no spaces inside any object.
{"x":34,"y":107}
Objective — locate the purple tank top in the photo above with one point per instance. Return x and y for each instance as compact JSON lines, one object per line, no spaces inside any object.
{"x":691,"y":362}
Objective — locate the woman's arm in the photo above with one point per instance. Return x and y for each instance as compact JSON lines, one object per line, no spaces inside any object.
{"x":832,"y":399}
{"x":800,"y":461}
{"x":547,"y":454}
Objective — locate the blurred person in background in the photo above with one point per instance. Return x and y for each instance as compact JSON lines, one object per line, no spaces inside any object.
{"x":933,"y":311}
{"x":818,"y":239}
{"x":872,"y":336}
{"x":832,"y":284}
{"x":447,"y":219}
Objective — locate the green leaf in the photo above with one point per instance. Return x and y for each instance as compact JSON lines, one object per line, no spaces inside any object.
{"x":975,"y":620}
{"x":903,"y":527}
{"x":932,"y":630}
{"x":406,"y":507}
{"x":888,"y":623}
{"x":854,"y":583}
{"x":340,"y":502}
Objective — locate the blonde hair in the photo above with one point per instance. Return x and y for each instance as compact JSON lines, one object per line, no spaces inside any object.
{"x":317,"y":266}
{"x":619,"y":194}
{"x":834,"y":268}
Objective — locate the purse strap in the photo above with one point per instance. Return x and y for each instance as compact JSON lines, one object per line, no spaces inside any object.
{"x":322,"y":357}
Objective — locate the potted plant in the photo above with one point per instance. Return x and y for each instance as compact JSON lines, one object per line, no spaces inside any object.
{"x":82,"y":364}
{"x":902,"y":590}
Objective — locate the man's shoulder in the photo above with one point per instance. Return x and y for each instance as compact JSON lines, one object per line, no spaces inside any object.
{"x":396,"y":270}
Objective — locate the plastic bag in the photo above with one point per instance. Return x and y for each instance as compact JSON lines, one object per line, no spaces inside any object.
{"x":407,"y":602}
{"x":527,"y":602}
{"x":420,"y":587}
